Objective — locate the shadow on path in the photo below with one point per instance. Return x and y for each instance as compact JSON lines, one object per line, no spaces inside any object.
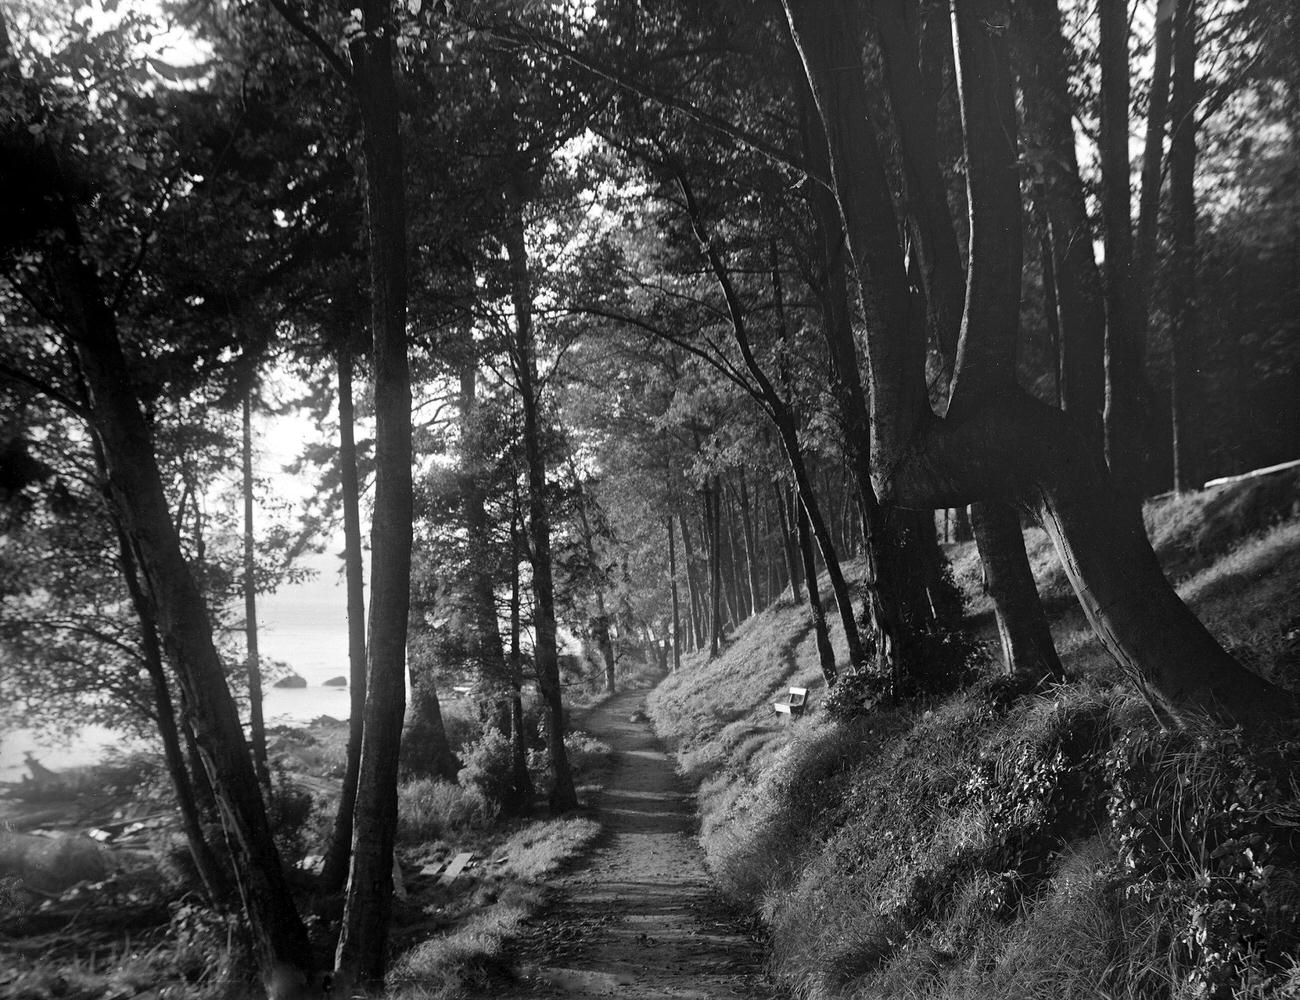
{"x":640,"y":920}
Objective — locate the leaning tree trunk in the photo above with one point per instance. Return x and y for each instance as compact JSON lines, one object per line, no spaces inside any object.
{"x":563,"y":796}
{"x":334,"y":872}
{"x":211,"y":874}
{"x":253,"y":663}
{"x":363,"y":941}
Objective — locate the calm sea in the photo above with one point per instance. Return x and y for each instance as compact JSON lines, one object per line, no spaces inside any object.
{"x":303,"y":627}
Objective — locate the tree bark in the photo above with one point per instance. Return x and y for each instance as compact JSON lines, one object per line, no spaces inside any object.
{"x":563,"y":797}
{"x":253,"y":660}
{"x":334,"y":872}
{"x":363,"y":941}
{"x":1027,"y":647}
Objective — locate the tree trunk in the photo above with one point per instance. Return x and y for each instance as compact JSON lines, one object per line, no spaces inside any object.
{"x":334,"y":872}
{"x":672,"y":582}
{"x":523,"y":781}
{"x":825,"y":652}
{"x":710,"y":522}
{"x":486,"y":643}
{"x":693,"y":592}
{"x":1126,"y":394}
{"x":211,"y":874}
{"x":253,"y":660}
{"x":563,"y":796}
{"x":751,"y":550}
{"x":1027,"y":647}
{"x":1184,"y":333}
{"x":363,"y":941}
{"x":789,"y":549}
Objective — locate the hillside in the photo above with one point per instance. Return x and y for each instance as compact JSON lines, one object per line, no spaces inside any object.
{"x":988,"y":845}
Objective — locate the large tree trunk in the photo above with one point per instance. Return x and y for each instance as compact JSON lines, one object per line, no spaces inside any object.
{"x":334,"y":872}
{"x":253,"y":659}
{"x":995,"y":443}
{"x":714,"y":544}
{"x":563,"y":796}
{"x":363,"y":941}
{"x":1184,"y":332}
{"x":278,"y":936}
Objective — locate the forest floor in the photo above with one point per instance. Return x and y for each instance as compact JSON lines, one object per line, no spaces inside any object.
{"x":639,"y":917}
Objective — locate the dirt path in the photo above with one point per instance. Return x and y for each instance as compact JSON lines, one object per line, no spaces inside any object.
{"x":639,"y":919}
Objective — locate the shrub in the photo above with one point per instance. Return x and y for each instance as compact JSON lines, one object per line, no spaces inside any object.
{"x":428,"y":809}
{"x":489,"y":767}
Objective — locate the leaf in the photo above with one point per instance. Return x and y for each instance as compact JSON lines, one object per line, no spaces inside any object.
{"x":137,"y":161}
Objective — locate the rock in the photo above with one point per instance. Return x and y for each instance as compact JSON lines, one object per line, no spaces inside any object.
{"x":336,"y":682}
{"x":292,"y":681}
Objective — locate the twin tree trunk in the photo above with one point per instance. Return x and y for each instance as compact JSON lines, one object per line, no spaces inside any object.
{"x":995,"y":443}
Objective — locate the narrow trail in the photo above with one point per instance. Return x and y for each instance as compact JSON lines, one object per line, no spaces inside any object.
{"x":640,"y":918}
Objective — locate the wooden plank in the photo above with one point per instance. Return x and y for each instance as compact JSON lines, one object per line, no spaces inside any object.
{"x":1269,"y":470}
{"x":457,"y":866}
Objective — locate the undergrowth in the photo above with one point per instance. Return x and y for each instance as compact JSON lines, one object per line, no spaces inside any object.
{"x":988,"y":844}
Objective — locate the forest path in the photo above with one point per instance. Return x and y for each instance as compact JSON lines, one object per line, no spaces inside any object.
{"x":640,"y":919}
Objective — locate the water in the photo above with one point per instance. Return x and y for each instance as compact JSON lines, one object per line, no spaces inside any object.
{"x":304,"y":626}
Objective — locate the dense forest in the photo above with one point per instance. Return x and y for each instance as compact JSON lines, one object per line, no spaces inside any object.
{"x":618,"y":322}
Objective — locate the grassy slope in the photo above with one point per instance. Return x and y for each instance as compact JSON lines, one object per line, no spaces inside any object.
{"x":987,"y":846}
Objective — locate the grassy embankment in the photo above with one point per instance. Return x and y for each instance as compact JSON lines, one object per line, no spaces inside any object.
{"x":984,"y":845}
